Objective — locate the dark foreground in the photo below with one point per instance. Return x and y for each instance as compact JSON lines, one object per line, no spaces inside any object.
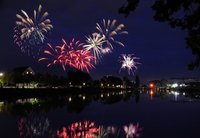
{"x":100,"y":114}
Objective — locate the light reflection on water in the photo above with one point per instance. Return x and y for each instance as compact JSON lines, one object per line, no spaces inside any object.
{"x":88,"y":129}
{"x":34,"y":117}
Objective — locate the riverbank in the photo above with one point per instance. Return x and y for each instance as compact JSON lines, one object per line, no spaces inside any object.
{"x":42,"y":92}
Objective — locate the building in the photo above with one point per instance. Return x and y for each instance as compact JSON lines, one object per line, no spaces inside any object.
{"x":21,"y":77}
{"x":23,"y":71}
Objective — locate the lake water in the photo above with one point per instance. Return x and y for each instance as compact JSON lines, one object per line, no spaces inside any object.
{"x":123,"y":114}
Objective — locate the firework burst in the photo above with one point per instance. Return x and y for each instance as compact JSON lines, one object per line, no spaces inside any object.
{"x":34,"y":28}
{"x":94,"y":44}
{"x":69,"y":54}
{"x":109,"y":30}
{"x":29,"y":32}
{"x":128,"y":62}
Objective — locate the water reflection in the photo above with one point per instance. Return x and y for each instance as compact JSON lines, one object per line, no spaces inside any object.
{"x":73,"y":102}
{"x":88,"y":129}
{"x":77,"y":102}
{"x":151,"y":93}
{"x":175,"y":96}
{"x":85,"y":129}
{"x":34,"y":126}
{"x":132,"y":131}
{"x":33,"y":121}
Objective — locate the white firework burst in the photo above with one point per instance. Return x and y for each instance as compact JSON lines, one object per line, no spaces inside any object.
{"x":128,"y":62}
{"x":94,"y":44}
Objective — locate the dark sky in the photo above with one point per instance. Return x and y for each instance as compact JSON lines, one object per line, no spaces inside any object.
{"x":162,"y":50}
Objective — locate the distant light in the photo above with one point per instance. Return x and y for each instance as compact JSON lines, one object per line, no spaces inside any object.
{"x":1,"y":106}
{"x":83,"y":83}
{"x":1,"y":74}
{"x":83,"y":97}
{"x":175,"y":85}
{"x":108,"y":94}
{"x":184,"y":94}
{"x":101,"y":95}
{"x":182,"y":85}
{"x":27,"y":72}
{"x":70,"y":99}
{"x":151,"y":85}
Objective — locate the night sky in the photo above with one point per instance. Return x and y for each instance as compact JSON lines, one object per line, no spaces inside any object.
{"x":162,"y":49}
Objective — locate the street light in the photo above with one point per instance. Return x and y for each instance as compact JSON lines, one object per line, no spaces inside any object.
{"x":1,"y":79}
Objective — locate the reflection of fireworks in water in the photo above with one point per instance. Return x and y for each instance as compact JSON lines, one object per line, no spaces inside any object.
{"x":70,"y":54}
{"x":109,"y":132}
{"x":88,"y":129}
{"x":109,"y":30}
{"x":84,"y":129}
{"x":94,"y":44}
{"x":132,"y":131}
{"x":129,"y":63}
{"x":31,"y":31}
{"x":33,"y":126}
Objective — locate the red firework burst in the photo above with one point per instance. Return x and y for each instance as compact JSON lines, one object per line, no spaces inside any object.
{"x":69,"y":54}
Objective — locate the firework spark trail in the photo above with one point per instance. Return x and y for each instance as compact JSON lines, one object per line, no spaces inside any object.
{"x":70,"y":54}
{"x":129,"y":62}
{"x":109,"y":30}
{"x":53,"y":56}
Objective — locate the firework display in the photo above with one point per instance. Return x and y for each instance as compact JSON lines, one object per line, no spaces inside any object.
{"x":101,"y":42}
{"x":30,"y":36}
{"x":69,"y":54}
{"x":30,"y":31}
{"x":129,"y":62}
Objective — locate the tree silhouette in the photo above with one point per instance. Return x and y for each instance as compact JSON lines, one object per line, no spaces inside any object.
{"x":184,"y":14}
{"x":111,"y":80}
{"x":78,"y":77}
{"x":130,"y":6}
{"x":137,"y":81}
{"x":1,"y":4}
